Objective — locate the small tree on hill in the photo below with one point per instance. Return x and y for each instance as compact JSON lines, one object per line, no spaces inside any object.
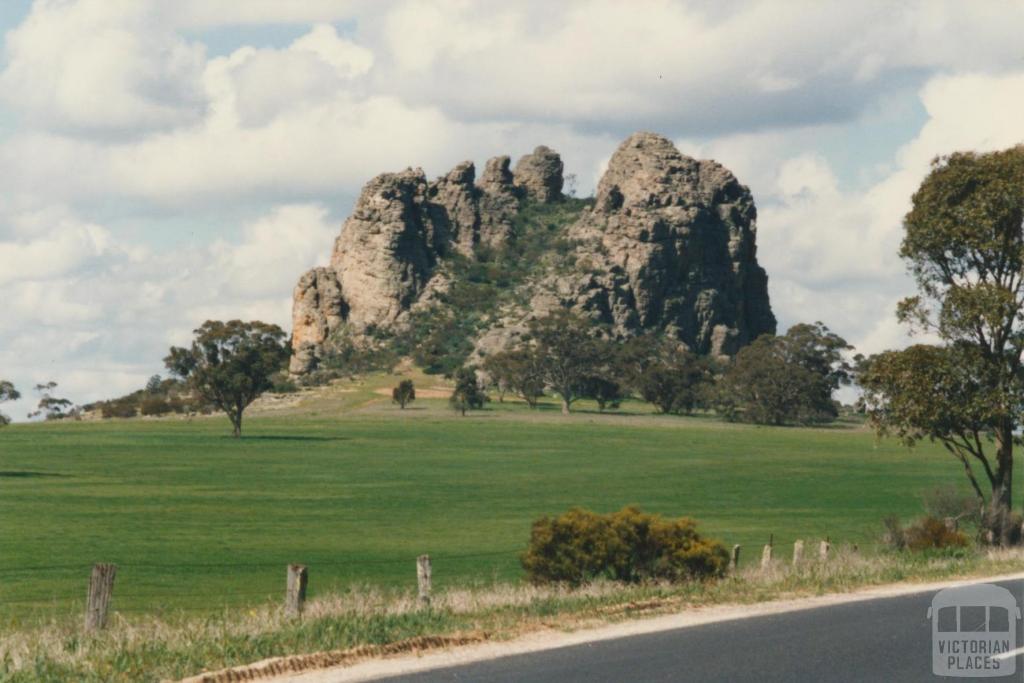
{"x":7,"y":393}
{"x":155,"y":385}
{"x":230,"y":364}
{"x":52,"y":407}
{"x":467,"y":394}
{"x":404,"y":393}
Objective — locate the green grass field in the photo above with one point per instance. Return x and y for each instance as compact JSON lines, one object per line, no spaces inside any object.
{"x":356,"y":489}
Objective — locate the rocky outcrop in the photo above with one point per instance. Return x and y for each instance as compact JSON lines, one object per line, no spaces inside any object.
{"x":453,"y":203}
{"x":499,"y":202}
{"x":667,"y":246}
{"x":317,"y":309}
{"x":670,"y":245}
{"x":539,"y":175}
{"x":385,"y":260}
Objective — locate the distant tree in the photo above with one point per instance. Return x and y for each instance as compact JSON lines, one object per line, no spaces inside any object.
{"x":674,"y":380}
{"x":605,"y":389}
{"x":786,"y":379}
{"x":404,"y":393}
{"x":568,"y":352}
{"x":230,"y":364}
{"x":467,"y":394}
{"x":7,"y":393}
{"x":52,"y":407}
{"x":155,"y":385}
{"x":964,"y":243}
{"x":518,"y":370}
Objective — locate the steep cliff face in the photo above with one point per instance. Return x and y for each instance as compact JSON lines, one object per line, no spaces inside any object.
{"x":668,"y":245}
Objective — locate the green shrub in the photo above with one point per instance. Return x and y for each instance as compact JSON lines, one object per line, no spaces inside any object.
{"x":126,"y":406}
{"x":628,"y":545}
{"x":404,"y":393}
{"x":926,"y":533}
{"x":155,"y":405}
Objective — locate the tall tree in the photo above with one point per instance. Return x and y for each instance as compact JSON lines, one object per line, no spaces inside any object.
{"x":230,"y":364}
{"x":7,"y":393}
{"x":964,"y":244}
{"x":467,"y":394}
{"x":53,"y":407}
{"x":518,"y":370}
{"x":786,"y":379}
{"x":670,"y":377}
{"x":570,"y":354}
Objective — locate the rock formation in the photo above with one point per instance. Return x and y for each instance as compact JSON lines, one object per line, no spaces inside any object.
{"x":669,"y":245}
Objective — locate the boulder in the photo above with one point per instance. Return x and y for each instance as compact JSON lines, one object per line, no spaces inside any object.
{"x":538,"y":176}
{"x":670,"y":246}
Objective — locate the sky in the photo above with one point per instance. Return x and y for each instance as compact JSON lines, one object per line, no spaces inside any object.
{"x":163,"y":163}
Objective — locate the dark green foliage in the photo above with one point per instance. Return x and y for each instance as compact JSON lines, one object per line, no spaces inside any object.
{"x":605,"y":390}
{"x":7,"y":393}
{"x":159,"y":397}
{"x":126,"y":406}
{"x":230,"y":364}
{"x":440,"y":337}
{"x":162,"y":405}
{"x":785,"y":380}
{"x":283,"y":383}
{"x":154,"y":385}
{"x":964,"y":245}
{"x":570,"y":354}
{"x":404,"y":393}
{"x":518,"y":371}
{"x":629,"y":545}
{"x":664,"y":373}
{"x":342,"y":357}
{"x":467,"y":394}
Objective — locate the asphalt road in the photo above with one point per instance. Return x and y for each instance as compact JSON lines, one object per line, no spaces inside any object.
{"x":887,"y":639}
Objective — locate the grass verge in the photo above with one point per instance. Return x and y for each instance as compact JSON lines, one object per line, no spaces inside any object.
{"x":371,"y":621}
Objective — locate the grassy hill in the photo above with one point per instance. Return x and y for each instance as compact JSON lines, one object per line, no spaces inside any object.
{"x":345,"y":482}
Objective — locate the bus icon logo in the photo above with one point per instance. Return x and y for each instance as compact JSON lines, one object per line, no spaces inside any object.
{"x":974,"y":631}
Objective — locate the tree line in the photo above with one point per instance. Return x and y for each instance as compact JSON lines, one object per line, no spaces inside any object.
{"x":777,"y":380}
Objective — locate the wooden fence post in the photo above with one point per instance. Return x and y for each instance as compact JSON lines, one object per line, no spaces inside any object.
{"x":423,"y":578}
{"x":734,"y":559}
{"x":766,"y":554}
{"x":823,"y":550}
{"x":798,"y":552}
{"x":295,"y":591}
{"x":101,"y":587}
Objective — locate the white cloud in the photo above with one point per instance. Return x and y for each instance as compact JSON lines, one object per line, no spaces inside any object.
{"x":102,"y":329}
{"x":101,"y":66}
{"x":120,"y":114}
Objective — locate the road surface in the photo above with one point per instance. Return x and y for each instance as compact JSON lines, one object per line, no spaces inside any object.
{"x":886,"y":639}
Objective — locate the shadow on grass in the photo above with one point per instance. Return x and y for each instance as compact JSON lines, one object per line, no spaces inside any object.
{"x":25,"y":474}
{"x":283,"y":437}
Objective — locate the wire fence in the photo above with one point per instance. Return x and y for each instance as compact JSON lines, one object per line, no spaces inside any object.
{"x":161,"y":586}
